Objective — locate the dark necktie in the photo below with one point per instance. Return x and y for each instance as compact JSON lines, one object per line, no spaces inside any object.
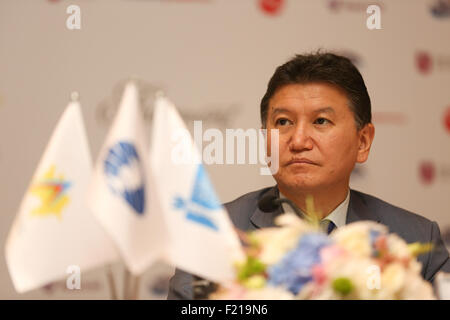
{"x":328,"y":225}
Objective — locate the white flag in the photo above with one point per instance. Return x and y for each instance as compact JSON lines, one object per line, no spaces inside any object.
{"x":54,"y":230}
{"x":121,"y":194}
{"x":202,"y":237}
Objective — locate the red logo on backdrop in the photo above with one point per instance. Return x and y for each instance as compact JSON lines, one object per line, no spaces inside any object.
{"x":427,"y":172}
{"x":271,"y":7}
{"x":424,"y":62}
{"x":447,"y":119}
{"x":333,"y":4}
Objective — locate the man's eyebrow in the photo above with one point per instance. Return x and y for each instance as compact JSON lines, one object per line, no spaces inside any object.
{"x":325,"y":110}
{"x":280,"y":110}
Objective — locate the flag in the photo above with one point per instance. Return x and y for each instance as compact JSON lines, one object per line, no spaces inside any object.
{"x":202,"y":238}
{"x":121,"y":193}
{"x":54,"y":230}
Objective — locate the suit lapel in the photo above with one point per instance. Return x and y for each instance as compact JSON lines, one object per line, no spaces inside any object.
{"x":358,"y":209}
{"x":262,"y":219}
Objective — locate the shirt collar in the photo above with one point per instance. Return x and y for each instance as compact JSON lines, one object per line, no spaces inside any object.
{"x":338,"y":215}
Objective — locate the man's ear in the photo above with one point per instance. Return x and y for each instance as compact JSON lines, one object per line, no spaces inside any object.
{"x":366,"y":135}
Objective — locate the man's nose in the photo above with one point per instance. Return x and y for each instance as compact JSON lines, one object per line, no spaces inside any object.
{"x":301,"y":139}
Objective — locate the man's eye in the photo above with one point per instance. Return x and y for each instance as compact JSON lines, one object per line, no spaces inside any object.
{"x":322,"y":121}
{"x":282,"y":122}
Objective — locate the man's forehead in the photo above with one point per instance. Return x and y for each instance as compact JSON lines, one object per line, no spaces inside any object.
{"x":315,"y":94}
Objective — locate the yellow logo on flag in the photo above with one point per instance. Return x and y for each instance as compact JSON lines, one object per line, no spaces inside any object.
{"x":52,"y":192}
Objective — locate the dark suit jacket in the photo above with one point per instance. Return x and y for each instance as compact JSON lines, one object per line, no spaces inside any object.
{"x":245,"y":215}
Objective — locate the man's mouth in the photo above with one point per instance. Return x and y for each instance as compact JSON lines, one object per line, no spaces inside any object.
{"x":301,"y":161}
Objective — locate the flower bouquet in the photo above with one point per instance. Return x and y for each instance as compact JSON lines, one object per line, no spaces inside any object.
{"x":297,"y":260}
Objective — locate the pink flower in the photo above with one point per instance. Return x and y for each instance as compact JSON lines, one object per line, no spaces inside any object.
{"x":330,"y":253}
{"x":318,"y":274}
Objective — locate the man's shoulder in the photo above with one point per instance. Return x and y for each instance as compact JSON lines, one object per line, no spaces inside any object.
{"x":250,"y":198}
{"x":412,"y":228}
{"x":380,"y":205}
{"x":241,"y":208}
{"x":396,"y":218}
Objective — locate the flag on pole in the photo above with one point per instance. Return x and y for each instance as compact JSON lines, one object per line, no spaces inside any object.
{"x":202,"y":238}
{"x":54,"y":230}
{"x":121,"y":193}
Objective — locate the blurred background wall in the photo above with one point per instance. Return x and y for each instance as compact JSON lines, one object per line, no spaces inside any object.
{"x":213,"y":58}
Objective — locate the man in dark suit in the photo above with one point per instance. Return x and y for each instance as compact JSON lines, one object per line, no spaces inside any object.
{"x":320,"y":107}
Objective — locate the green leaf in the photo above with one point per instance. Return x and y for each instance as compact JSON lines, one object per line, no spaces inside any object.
{"x":417,"y":248}
{"x":251,"y":267}
{"x":255,"y":282}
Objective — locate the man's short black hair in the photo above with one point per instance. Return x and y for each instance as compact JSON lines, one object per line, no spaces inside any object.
{"x":327,"y":68}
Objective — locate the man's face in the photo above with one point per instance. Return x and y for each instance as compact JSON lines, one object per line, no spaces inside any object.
{"x":319,"y":143}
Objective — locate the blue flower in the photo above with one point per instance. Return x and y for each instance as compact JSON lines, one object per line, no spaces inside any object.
{"x":373,"y":235}
{"x":295,"y":268}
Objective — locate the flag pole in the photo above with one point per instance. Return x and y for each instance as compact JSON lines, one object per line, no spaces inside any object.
{"x":112,"y":283}
{"x":137,"y":280}
{"x":126,"y":284}
{"x":131,"y":286}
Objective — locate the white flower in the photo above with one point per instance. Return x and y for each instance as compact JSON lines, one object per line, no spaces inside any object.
{"x":398,"y":247}
{"x":392,"y":281}
{"x":355,"y":237}
{"x":416,"y":288}
{"x":277,"y":241}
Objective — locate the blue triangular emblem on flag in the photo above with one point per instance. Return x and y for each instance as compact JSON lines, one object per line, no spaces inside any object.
{"x":203,"y":201}
{"x":203,"y":193}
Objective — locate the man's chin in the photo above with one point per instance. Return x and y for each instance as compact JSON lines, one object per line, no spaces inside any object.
{"x":298,"y":185}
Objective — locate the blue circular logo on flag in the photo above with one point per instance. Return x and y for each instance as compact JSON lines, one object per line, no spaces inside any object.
{"x":125,"y":175}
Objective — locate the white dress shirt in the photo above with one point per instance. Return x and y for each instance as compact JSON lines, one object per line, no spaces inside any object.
{"x":338,"y":215}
